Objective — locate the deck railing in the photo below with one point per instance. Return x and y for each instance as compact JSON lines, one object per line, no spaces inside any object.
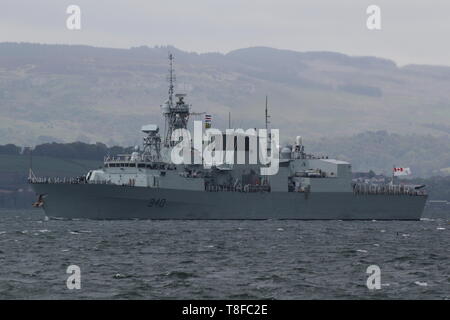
{"x":386,"y":189}
{"x":358,"y":188}
{"x":65,"y":180}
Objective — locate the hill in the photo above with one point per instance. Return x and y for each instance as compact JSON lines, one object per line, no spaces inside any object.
{"x":80,"y":93}
{"x":379,"y":151}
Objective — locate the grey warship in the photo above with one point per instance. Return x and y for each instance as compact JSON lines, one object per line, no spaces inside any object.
{"x":148,"y":185}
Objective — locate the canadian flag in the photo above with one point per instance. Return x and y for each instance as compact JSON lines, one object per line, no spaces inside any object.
{"x":401,"y":171}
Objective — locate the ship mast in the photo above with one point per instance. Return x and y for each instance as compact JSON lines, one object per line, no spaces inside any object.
{"x":267,"y":115}
{"x":176,"y":113}
{"x":171,"y":79}
{"x":267,"y":122}
{"x":269,"y":137}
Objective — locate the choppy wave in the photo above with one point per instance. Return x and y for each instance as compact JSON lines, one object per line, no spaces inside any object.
{"x":222,"y":259}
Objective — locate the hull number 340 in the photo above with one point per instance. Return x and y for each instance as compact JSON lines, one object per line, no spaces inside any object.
{"x":156,"y":202}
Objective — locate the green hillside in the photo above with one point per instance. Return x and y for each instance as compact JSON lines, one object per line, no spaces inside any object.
{"x":81,"y":93}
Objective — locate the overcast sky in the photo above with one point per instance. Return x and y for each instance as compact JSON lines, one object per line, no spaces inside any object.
{"x":413,"y":31}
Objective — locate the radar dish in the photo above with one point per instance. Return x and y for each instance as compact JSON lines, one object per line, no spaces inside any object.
{"x":150,"y":128}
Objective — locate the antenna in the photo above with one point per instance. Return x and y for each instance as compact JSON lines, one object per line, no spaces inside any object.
{"x":269,"y":137}
{"x":172,"y":79}
{"x":31,"y":158}
{"x":267,"y":114}
{"x":229,"y":120}
{"x":31,"y":176}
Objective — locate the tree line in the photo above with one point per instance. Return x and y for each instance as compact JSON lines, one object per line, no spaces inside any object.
{"x":74,"y":150}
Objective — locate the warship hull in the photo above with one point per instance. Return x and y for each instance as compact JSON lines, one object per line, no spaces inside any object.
{"x":103,"y":201}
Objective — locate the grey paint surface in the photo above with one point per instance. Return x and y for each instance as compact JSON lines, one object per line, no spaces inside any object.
{"x":96,"y":201}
